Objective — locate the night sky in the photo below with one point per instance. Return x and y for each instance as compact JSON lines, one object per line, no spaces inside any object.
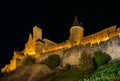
{"x":54,"y":18}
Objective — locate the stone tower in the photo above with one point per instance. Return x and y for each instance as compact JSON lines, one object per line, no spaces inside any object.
{"x":37,"y":38}
{"x":37,"y":33}
{"x":76,"y":32}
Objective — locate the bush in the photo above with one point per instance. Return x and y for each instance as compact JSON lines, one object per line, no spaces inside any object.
{"x":100,"y":58}
{"x":86,"y":62}
{"x":108,"y":72}
{"x":52,"y":61}
{"x":68,"y":67}
{"x":28,"y":59}
{"x":1,"y":74}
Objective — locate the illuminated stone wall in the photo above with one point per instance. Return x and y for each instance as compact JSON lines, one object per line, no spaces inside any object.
{"x":14,"y":62}
{"x":111,"y":47}
{"x":106,"y":40}
{"x":38,"y":47}
{"x":34,"y":46}
{"x":48,"y":43}
{"x":57,"y":46}
{"x":100,"y":36}
{"x":29,"y":46}
{"x":45,"y":55}
{"x":118,"y":31}
{"x":71,"y":56}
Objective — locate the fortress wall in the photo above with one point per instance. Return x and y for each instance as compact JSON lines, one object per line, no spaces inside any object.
{"x":45,"y":55}
{"x":18,"y":55}
{"x":13,"y":62}
{"x":100,"y":36}
{"x":9,"y":67}
{"x":106,"y":40}
{"x":111,"y":47}
{"x":91,"y":39}
{"x":29,"y":47}
{"x":71,"y":56}
{"x":48,"y":42}
{"x":112,"y":32}
{"x":57,"y":47}
{"x":38,"y":47}
{"x":118,"y":31}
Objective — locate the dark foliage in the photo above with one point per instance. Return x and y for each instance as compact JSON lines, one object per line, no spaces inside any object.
{"x":86,"y":62}
{"x":52,"y":61}
{"x":28,"y":59}
{"x":100,"y":58}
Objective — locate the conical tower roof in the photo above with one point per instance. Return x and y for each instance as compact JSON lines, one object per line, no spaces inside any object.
{"x":76,"y":23}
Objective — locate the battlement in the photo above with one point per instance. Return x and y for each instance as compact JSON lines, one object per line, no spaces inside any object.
{"x":98,"y":37}
{"x":101,"y":36}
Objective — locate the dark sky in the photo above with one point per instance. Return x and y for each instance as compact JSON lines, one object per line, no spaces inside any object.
{"x":55,"y":18}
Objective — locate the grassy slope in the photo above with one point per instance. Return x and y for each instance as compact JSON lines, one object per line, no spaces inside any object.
{"x":71,"y":75}
{"x":108,"y":72}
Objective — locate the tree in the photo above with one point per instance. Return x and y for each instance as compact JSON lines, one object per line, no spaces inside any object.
{"x":86,"y":61}
{"x":52,"y":61}
{"x":28,"y":59}
{"x":101,"y":58}
{"x":1,"y":74}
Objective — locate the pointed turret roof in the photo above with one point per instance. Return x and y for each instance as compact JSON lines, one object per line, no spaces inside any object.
{"x":76,"y":23}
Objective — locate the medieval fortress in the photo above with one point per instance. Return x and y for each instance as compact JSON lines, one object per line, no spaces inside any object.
{"x":107,"y":40}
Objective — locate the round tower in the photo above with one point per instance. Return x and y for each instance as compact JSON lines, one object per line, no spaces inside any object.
{"x":76,"y":32}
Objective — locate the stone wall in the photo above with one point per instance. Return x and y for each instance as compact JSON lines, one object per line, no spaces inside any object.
{"x":63,"y":45}
{"x":29,"y":46}
{"x":98,"y":37}
{"x":72,"y":55}
{"x":101,"y":36}
{"x":15,"y":62}
{"x":45,"y":55}
{"x":111,"y":47}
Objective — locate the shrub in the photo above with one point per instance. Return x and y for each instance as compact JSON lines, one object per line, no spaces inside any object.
{"x":100,"y":58}
{"x":52,"y":61}
{"x":1,"y":74}
{"x":68,"y":67}
{"x":86,"y":62}
{"x":28,"y":59}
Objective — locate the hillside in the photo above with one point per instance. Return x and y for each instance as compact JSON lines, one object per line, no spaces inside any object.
{"x":31,"y":72}
{"x":108,"y":72}
{"x":37,"y":72}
